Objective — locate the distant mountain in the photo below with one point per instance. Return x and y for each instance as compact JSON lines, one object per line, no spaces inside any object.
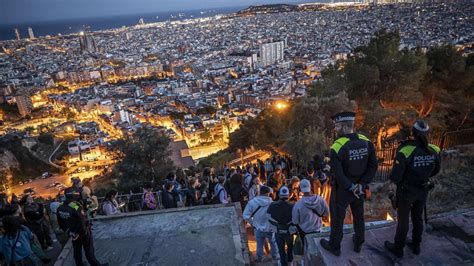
{"x":275,"y":8}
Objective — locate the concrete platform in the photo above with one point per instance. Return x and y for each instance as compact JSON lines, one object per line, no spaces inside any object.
{"x":205,"y":235}
{"x":449,"y":241}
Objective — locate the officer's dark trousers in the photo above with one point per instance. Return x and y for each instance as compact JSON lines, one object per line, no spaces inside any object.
{"x":406,"y":206}
{"x":339,"y":201}
{"x":282,"y":240}
{"x":86,"y":242}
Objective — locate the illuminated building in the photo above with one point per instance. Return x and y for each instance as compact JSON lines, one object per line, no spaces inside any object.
{"x":17,"y":34}
{"x":30,"y":33}
{"x":24,"y":104}
{"x":270,"y":53}
{"x":87,"y":42}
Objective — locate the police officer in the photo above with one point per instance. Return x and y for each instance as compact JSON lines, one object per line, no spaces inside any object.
{"x":416,"y":161}
{"x":73,"y":221}
{"x":353,"y":165}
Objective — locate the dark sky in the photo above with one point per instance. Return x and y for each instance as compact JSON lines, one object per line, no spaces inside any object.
{"x":20,"y":11}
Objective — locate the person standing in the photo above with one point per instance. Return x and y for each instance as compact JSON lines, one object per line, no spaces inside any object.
{"x":34,"y":214}
{"x":354,"y":164}
{"x":15,"y":243}
{"x":308,"y":212}
{"x":148,"y":199}
{"x":294,"y":189}
{"x":280,"y":217}
{"x":193,"y":195}
{"x":276,"y":180}
{"x":236,"y":189}
{"x":255,"y":213}
{"x":110,"y":205}
{"x":268,"y":165}
{"x":167,"y":197}
{"x":416,"y":161}
{"x":72,"y":219}
{"x":255,"y":188}
{"x":220,"y":194}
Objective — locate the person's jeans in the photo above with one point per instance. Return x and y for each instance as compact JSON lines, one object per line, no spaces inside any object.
{"x":260,"y":238}
{"x":282,"y":241}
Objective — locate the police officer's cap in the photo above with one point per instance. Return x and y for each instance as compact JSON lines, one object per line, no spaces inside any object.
{"x":343,"y":117}
{"x":421,"y":126}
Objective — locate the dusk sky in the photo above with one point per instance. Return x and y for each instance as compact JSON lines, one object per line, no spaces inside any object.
{"x":20,"y":11}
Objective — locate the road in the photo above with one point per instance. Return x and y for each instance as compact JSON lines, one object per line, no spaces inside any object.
{"x":204,"y":151}
{"x":40,"y":186}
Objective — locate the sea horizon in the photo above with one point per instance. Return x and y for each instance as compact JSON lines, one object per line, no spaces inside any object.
{"x":71,"y":26}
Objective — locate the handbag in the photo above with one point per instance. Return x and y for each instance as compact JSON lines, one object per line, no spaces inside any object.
{"x":298,"y":246}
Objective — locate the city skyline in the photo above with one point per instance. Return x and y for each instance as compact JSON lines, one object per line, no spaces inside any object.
{"x":27,"y":11}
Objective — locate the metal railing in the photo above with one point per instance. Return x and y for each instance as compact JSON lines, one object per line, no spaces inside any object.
{"x":444,"y":140}
{"x":134,"y":202}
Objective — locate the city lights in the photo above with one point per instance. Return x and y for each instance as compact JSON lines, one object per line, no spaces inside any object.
{"x":281,"y":105}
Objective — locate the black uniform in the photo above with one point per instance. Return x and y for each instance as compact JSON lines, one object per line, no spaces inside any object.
{"x":72,"y":220}
{"x":280,"y":216}
{"x":414,"y":165}
{"x":353,"y":161}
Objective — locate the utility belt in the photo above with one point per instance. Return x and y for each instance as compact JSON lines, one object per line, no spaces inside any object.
{"x":313,"y":232}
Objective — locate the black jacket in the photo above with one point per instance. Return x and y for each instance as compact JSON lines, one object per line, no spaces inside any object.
{"x":168,"y":200}
{"x":413,"y":167}
{"x":192,"y":197}
{"x":353,"y":161}
{"x":280,"y":213}
{"x":71,"y":218}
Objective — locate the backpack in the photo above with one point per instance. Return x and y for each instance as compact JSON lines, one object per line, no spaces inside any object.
{"x":215,"y":199}
{"x":149,"y":201}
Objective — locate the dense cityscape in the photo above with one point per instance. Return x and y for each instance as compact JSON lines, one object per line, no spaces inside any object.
{"x":68,"y":101}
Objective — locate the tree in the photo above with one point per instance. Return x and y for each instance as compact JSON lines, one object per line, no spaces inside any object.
{"x":46,"y":138}
{"x":145,"y":158}
{"x":311,"y":125}
{"x":386,"y":82}
{"x":205,"y":135}
{"x":4,"y":180}
{"x":206,"y":110}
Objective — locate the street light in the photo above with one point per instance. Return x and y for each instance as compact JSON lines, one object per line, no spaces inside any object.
{"x":281,"y":105}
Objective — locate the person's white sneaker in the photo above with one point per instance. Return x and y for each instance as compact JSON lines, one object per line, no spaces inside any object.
{"x":49,"y":248}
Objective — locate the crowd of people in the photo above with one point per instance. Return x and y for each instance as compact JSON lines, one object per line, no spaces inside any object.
{"x":278,"y":202}
{"x":26,"y":231}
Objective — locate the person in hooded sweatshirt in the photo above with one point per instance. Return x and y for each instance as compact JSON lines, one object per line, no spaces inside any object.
{"x":255,"y":213}
{"x":308,"y":212}
{"x":280,"y":217}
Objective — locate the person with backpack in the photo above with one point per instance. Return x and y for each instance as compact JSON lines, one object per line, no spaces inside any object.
{"x":110,"y":205}
{"x":281,"y":218}
{"x":308,"y":212}
{"x":220,"y":194}
{"x":415,"y":163}
{"x":149,"y":200}
{"x":253,"y":191}
{"x":248,"y":176}
{"x":15,"y":244}
{"x":168,"y":198}
{"x":34,"y":214}
{"x":255,"y":213}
